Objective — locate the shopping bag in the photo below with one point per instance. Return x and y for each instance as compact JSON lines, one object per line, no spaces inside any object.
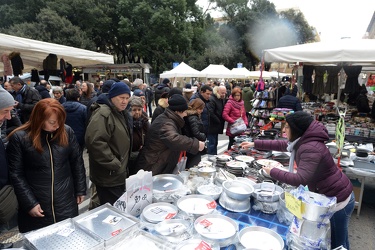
{"x":181,"y":164}
{"x":238,"y":127}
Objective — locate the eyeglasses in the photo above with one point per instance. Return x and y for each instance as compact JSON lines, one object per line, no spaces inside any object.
{"x":286,"y":127}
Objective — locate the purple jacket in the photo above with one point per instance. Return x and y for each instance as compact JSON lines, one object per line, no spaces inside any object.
{"x":315,"y":166}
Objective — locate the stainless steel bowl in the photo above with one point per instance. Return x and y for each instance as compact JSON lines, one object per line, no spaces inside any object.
{"x":237,"y":190}
{"x":267,"y":191}
{"x":211,"y":190}
{"x":256,"y":237}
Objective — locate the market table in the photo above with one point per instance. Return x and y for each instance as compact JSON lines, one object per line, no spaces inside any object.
{"x":255,"y":218}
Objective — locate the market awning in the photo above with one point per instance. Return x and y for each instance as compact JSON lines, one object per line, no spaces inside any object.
{"x":33,"y":52}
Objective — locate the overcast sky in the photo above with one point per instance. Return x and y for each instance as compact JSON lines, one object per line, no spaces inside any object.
{"x":333,"y":19}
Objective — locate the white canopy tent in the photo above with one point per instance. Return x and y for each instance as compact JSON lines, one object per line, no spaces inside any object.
{"x":182,"y":70}
{"x":219,"y":71}
{"x":350,"y":51}
{"x":243,"y":72}
{"x":33,"y":52}
{"x":256,"y":75}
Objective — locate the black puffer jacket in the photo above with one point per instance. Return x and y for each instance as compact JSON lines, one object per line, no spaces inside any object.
{"x":53,"y":178}
{"x":215,"y":108}
{"x":194,"y":126}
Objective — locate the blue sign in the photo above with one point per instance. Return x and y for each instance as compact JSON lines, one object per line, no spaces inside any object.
{"x":239,"y":65}
{"x":175,"y":64}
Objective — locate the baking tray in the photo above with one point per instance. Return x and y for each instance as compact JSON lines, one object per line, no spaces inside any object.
{"x":167,"y":183}
{"x":157,"y":212}
{"x":140,"y":239}
{"x":107,"y":222}
{"x":63,"y":235}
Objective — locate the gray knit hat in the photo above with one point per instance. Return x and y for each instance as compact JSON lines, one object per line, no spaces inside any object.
{"x":6,"y":99}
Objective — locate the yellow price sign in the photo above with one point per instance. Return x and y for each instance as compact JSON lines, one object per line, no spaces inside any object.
{"x":293,"y":205}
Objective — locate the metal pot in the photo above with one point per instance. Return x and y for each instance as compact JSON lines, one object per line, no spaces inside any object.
{"x":267,"y":192}
{"x":237,"y":190}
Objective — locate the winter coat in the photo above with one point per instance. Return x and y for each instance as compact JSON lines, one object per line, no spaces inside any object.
{"x":162,"y":104}
{"x":108,"y":140}
{"x":140,"y":129}
{"x":17,"y":63}
{"x":163,"y":144}
{"x":194,"y":126}
{"x":215,"y":108}
{"x":53,"y":178}
{"x":205,"y":116}
{"x":8,"y":71}
{"x":30,"y":97}
{"x":232,"y":111}
{"x":289,"y":102}
{"x":247,"y":96}
{"x":76,"y":116}
{"x":3,"y":166}
{"x":43,"y":91}
{"x":315,"y":165}
{"x":159,"y":90}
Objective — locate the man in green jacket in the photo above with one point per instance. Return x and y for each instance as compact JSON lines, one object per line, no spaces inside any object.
{"x":108,"y":140}
{"x":247,"y":96}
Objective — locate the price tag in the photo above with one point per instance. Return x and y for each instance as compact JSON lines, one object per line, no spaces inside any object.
{"x":170,"y":216}
{"x":205,"y":223}
{"x":212,"y":205}
{"x":293,"y":205}
{"x":203,"y":246}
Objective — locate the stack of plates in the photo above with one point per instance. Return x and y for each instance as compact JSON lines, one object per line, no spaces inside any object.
{"x":236,"y":167}
{"x":244,"y":158}
{"x":160,"y":211}
{"x":222,"y":159}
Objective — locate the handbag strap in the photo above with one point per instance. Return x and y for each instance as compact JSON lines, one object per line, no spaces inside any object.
{"x":182,"y":154}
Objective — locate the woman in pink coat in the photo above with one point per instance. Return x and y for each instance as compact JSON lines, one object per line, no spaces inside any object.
{"x":233,"y":110}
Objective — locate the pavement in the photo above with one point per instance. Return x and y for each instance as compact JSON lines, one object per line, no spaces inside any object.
{"x":361,"y":228}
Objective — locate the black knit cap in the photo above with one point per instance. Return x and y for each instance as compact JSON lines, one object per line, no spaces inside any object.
{"x":299,"y":122}
{"x":177,"y":103}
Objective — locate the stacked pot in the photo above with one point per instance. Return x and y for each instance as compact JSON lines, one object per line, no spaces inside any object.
{"x":313,"y":230}
{"x":266,"y":197}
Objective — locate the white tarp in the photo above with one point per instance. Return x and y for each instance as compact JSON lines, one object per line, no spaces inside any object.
{"x":218,"y":71}
{"x":352,"y":51}
{"x":256,"y":75}
{"x":182,"y":70}
{"x":33,"y":52}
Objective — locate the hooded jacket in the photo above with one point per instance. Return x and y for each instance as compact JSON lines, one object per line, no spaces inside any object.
{"x":159,"y":90}
{"x":76,"y":116}
{"x":315,"y":165}
{"x":163,"y":144}
{"x":193,"y":125}
{"x":162,"y":104}
{"x":108,"y":140}
{"x":53,"y":178}
{"x":232,"y":111}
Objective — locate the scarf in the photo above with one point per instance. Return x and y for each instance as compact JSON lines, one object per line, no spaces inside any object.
{"x":19,"y":93}
{"x":290,"y":149}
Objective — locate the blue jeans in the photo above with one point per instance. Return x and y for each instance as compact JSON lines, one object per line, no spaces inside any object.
{"x":212,"y":144}
{"x":339,"y":225}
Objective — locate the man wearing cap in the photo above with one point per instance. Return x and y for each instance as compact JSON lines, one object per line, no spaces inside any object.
{"x":108,"y":140}
{"x":162,"y":88}
{"x":165,"y":141}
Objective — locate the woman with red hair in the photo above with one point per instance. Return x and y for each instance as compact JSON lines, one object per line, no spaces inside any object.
{"x":46,"y":168}
{"x":234,"y":109}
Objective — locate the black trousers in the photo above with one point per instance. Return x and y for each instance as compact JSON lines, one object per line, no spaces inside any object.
{"x":109,"y":194}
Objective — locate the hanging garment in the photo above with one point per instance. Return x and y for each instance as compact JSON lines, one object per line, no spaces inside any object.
{"x":351,"y":84}
{"x":35,"y":76}
{"x":17,"y":63}
{"x":307,"y":84}
{"x":332,"y":80}
{"x":7,"y":66}
{"x":318,"y":86}
{"x":62,"y":72}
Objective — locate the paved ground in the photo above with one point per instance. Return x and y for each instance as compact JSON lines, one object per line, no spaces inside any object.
{"x":361,"y":229}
